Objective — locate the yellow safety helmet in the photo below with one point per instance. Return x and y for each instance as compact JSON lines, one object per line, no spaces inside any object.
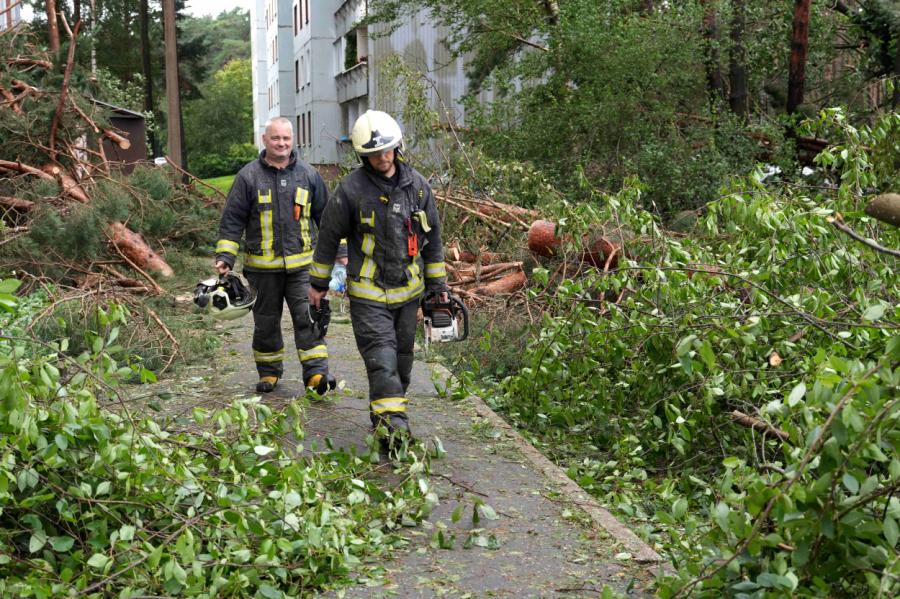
{"x":375,"y":132}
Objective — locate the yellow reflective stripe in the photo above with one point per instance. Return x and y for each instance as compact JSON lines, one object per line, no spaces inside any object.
{"x":367,"y":221}
{"x":388,"y":404}
{"x":275,"y":262}
{"x":268,"y":236}
{"x":435,"y":269}
{"x":319,"y":351}
{"x":226,"y":246}
{"x":264,"y":197}
{"x":272,"y":356}
{"x":365,"y":289}
{"x":320,"y":271}
{"x":367,"y":270}
{"x":302,"y":199}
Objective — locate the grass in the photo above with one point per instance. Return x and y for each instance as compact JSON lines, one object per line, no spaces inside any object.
{"x":223,"y":184}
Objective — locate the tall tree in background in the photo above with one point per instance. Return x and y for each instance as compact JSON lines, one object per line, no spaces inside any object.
{"x":737,"y":61}
{"x":147,"y":71}
{"x":799,"y":48}
{"x":173,"y":92}
{"x":52,"y":26}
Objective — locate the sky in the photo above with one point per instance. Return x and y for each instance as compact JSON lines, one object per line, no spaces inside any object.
{"x":196,"y":8}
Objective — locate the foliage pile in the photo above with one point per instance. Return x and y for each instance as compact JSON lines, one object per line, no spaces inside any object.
{"x":633,"y":378}
{"x":97,"y":502}
{"x":59,"y":198}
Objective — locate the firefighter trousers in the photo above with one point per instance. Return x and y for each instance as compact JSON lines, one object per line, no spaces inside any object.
{"x":385,"y":338}
{"x":273,"y":290}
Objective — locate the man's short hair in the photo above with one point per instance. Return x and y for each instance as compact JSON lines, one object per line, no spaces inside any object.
{"x":281,"y":121}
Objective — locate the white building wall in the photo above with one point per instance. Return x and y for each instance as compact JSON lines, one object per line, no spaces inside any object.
{"x":259,"y":66}
{"x":332,"y":92}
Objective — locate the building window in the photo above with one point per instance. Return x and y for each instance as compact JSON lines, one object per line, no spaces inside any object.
{"x":296,"y":21}
{"x":308,"y":69}
{"x":307,"y":11}
{"x":300,"y":11}
{"x":297,"y":132}
{"x":297,"y":74}
{"x":309,"y":126}
{"x":302,"y":122}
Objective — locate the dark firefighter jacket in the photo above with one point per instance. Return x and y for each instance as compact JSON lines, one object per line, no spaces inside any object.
{"x":379,"y":220}
{"x":277,"y":211}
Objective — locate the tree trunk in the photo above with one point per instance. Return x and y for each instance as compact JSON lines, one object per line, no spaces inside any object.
{"x":895,"y":97}
{"x":146,"y":69}
{"x":76,"y":10}
{"x":173,"y":93}
{"x":94,"y":38}
{"x":715,"y":83}
{"x":52,"y":26}
{"x":737,"y":69}
{"x":799,"y":47}
{"x":136,"y":249}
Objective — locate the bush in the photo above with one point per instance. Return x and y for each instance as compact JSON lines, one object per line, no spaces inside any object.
{"x":229,"y":163}
{"x":99,"y":503}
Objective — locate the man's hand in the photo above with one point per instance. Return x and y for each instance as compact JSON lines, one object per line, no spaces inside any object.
{"x":315,"y":296}
{"x":222,"y":268}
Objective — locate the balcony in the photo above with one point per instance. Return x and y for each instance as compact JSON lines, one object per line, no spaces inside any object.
{"x":353,"y":83}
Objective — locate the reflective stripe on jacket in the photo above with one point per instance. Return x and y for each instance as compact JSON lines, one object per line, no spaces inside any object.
{"x":377,"y":218}
{"x":277,"y":211}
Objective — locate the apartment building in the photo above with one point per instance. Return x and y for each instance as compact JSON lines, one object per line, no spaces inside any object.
{"x":316,"y":64}
{"x":10,"y":13}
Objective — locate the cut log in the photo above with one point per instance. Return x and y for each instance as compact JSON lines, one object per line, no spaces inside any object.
{"x":885,"y":208}
{"x":508,"y":284}
{"x":542,"y":239}
{"x":68,"y":184}
{"x":758,"y":425}
{"x":17,"y":204}
{"x":26,"y":169}
{"x":599,"y":250}
{"x":120,"y":140}
{"x":136,"y":249}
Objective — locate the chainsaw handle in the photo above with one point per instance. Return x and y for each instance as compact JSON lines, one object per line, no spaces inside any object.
{"x":465,"y":312}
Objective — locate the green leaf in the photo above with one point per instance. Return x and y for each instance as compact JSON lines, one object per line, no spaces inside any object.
{"x":874,"y":312}
{"x":126,"y":532}
{"x":457,"y":513}
{"x":679,"y":508}
{"x":37,"y":541}
{"x":891,"y":530}
{"x":850,"y":483}
{"x":797,"y":394}
{"x":102,"y":488}
{"x":684,"y":346}
{"x":98,"y":561}
{"x":486,"y":512}
{"x":270,"y":592}
{"x":62,"y":544}
{"x":263,"y":450}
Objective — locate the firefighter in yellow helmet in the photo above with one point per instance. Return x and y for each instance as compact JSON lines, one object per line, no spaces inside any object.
{"x":386,"y":211}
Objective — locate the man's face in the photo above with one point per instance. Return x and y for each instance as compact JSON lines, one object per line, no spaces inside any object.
{"x":383,"y":162}
{"x":278,"y":141}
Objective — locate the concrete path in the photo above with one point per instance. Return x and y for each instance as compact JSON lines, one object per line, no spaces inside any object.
{"x":551,"y":539}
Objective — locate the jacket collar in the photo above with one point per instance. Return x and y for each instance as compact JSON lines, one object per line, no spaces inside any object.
{"x":292,"y":160}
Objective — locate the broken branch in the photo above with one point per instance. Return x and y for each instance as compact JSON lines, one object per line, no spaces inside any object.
{"x":758,"y":425}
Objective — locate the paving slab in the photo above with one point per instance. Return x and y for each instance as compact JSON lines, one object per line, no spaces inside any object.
{"x":551,"y":539}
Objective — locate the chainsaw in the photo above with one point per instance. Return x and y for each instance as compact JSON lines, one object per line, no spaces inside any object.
{"x":442,"y":320}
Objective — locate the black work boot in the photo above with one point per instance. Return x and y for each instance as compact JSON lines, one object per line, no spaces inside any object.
{"x":321,"y":383}
{"x":266,"y":384}
{"x":392,"y":429}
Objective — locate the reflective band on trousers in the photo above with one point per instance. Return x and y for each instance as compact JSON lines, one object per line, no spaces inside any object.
{"x":265,"y":223}
{"x":388,"y":404}
{"x":435,"y":269}
{"x":226,"y":246}
{"x":319,"y":351}
{"x":271,"y":356}
{"x":277,"y":262}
